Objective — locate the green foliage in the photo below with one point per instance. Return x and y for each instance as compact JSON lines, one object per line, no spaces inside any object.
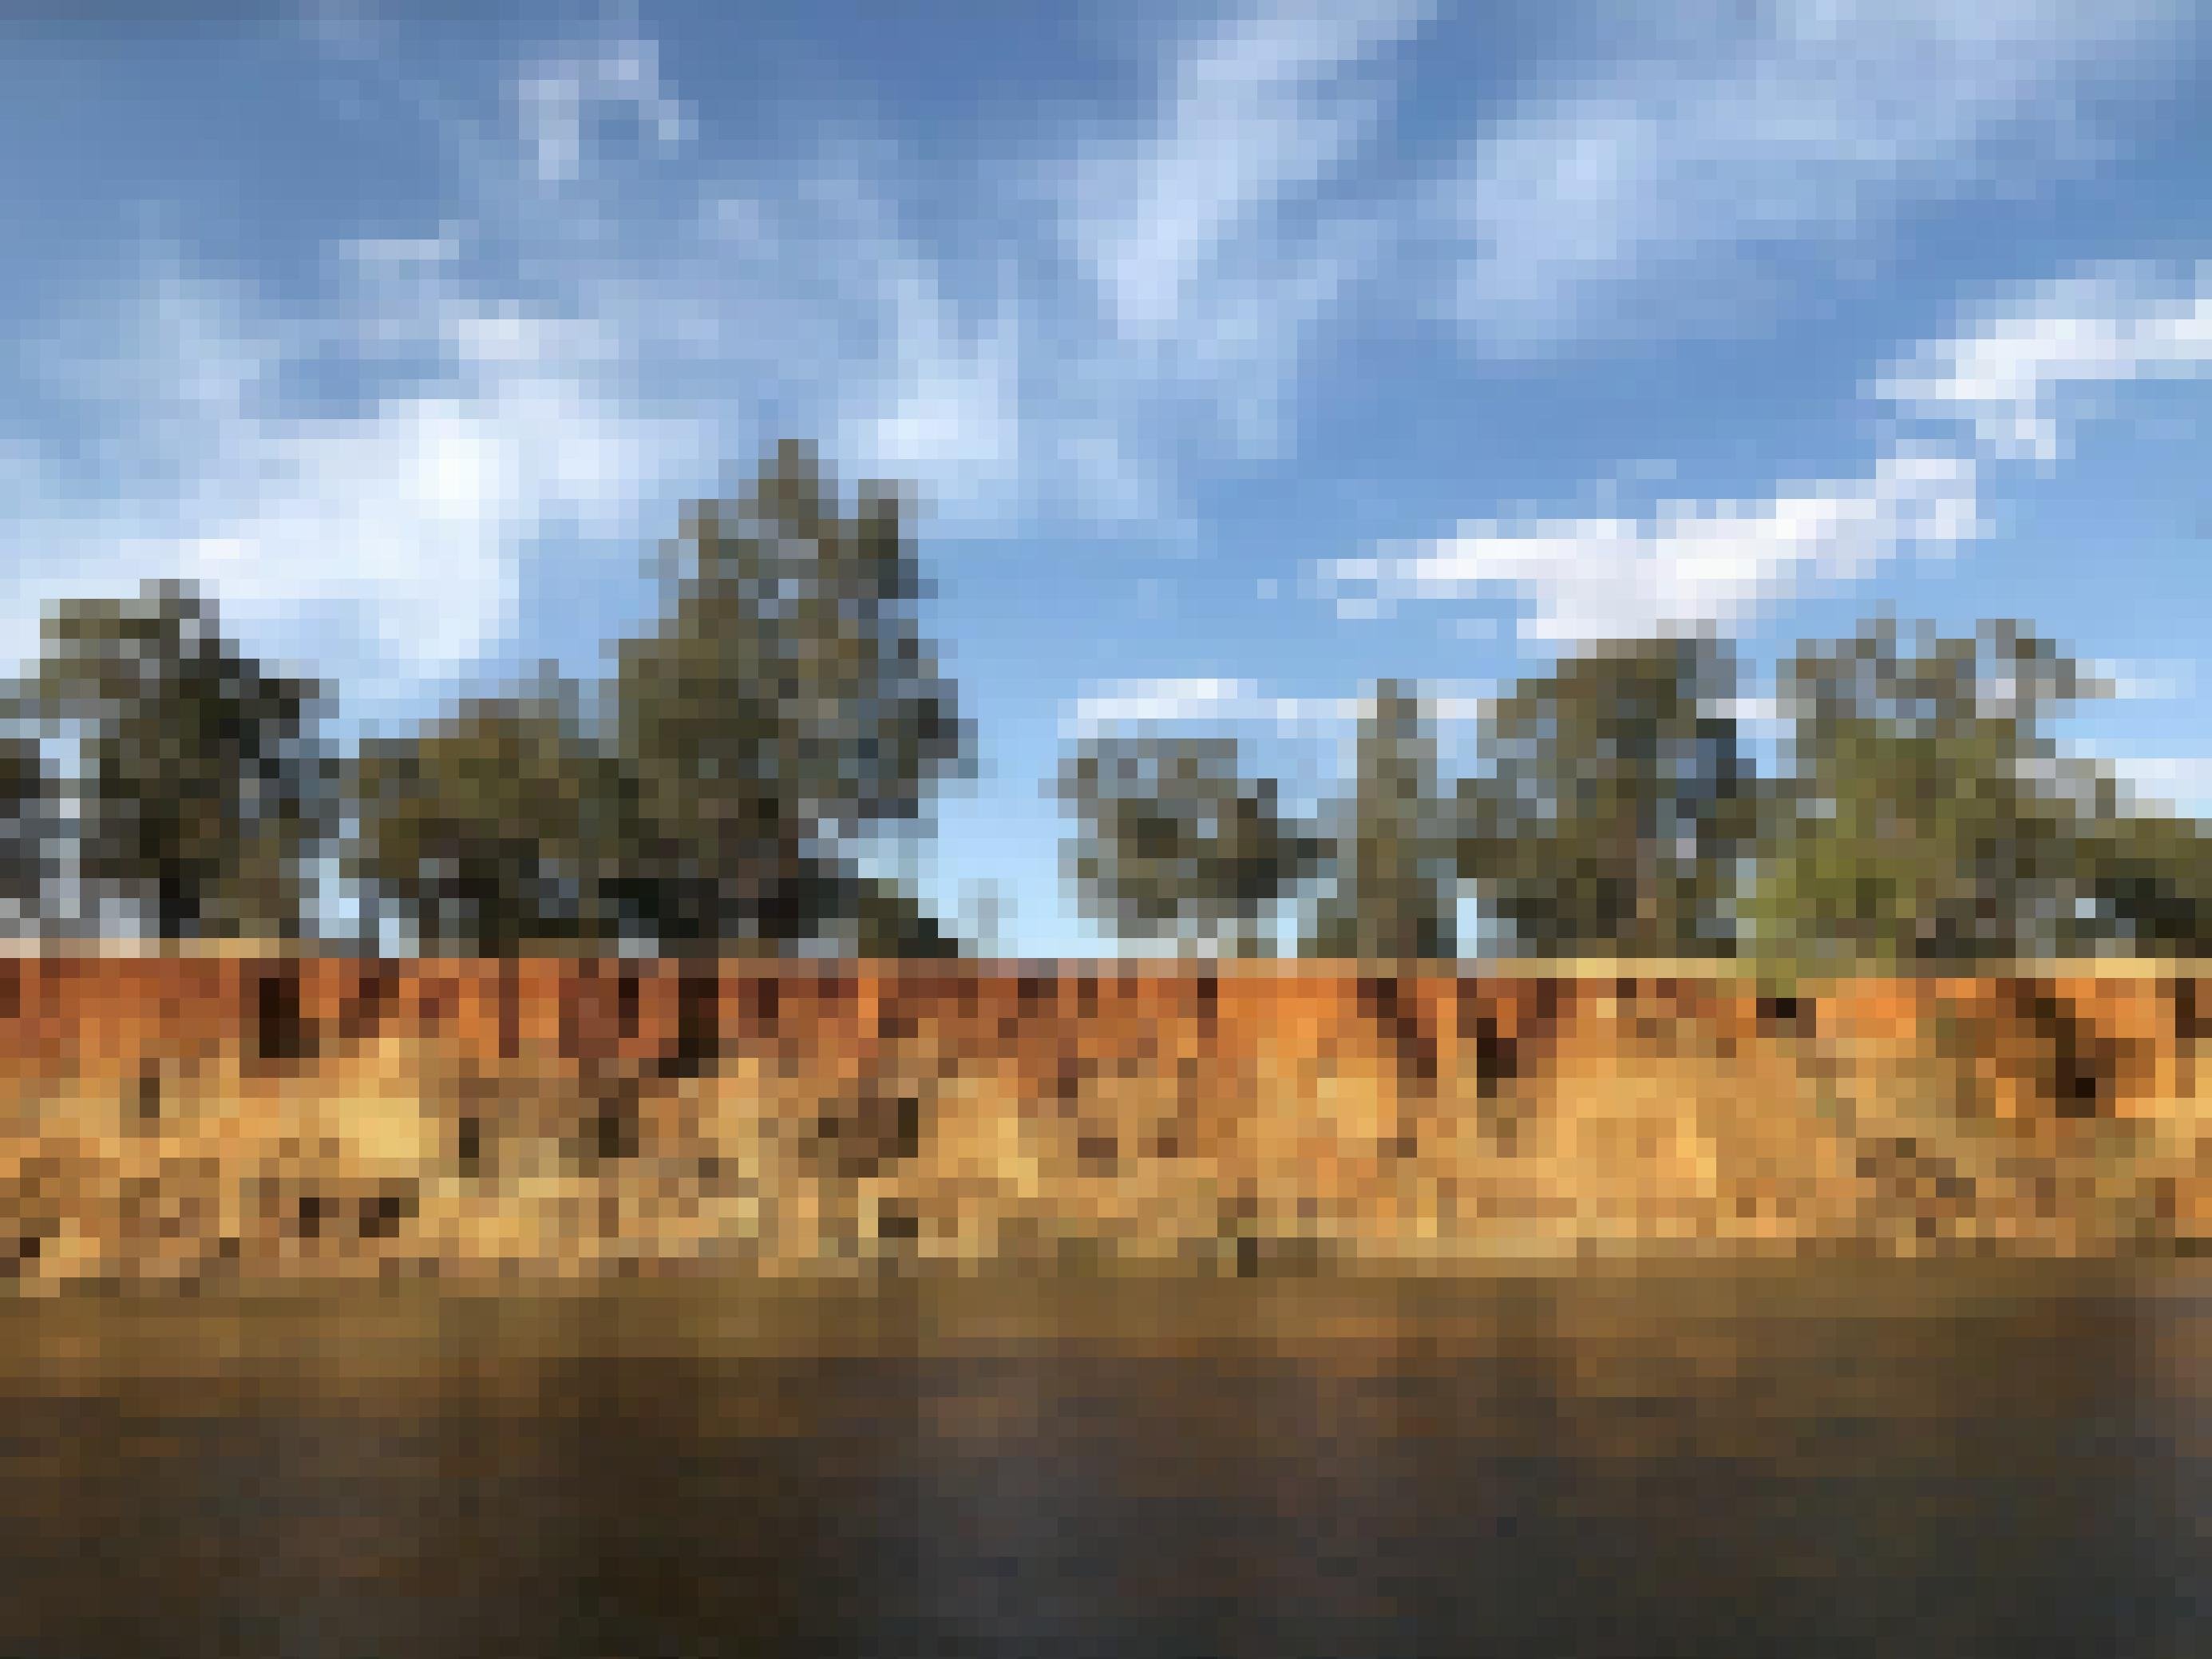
{"x":786,"y":702}
{"x":1914,"y":830}
{"x":1615,"y":805}
{"x":503,"y":828}
{"x":1177,"y":842}
{"x":783,"y":703}
{"x":1394,"y":896}
{"x":28,"y":798}
{"x":2148,"y":876}
{"x":202,"y":793}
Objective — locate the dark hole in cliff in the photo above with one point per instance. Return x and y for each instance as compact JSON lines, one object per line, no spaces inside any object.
{"x":280,"y":1034}
{"x":468,"y":1144}
{"x":1497,"y":1057}
{"x":381,"y":1216}
{"x":1209,"y":1000}
{"x":1030,"y":994}
{"x":376,"y":993}
{"x":2081,"y":1088}
{"x":1247,"y":1258}
{"x":897,"y":1027}
{"x":2190,"y":1023}
{"x":11,"y":990}
{"x":1547,"y":1001}
{"x":2080,"y":1074}
{"x":149,"y":1094}
{"x":895,"y":1221}
{"x":1378,"y":999}
{"x":1097,"y":1149}
{"x":614,"y":1133}
{"x":1794,"y":1013}
{"x":1382,"y":1000}
{"x":698,"y":1021}
{"x":626,"y":1003}
{"x":28,"y":1247}
{"x":908,"y":1125}
{"x":767,"y":1000}
{"x":313,"y":1210}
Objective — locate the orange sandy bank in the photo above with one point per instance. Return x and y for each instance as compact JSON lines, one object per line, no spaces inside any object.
{"x":167,"y":1117}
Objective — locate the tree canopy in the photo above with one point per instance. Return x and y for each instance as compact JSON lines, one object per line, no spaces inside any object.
{"x":1176,"y":841}
{"x":1913,"y":826}
{"x":1614,"y":804}
{"x":784,"y":703}
{"x":1392,"y":860}
{"x":202,"y":792}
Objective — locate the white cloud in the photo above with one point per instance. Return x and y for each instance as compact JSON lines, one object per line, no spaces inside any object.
{"x":2005,"y":389}
{"x":1643,"y":196}
{"x":600,"y":312}
{"x":1201,"y":700}
{"x":1216,"y":240}
{"x":1692,"y":563}
{"x":576,"y":346}
{"x":1255,"y":114}
{"x":2015,"y":376}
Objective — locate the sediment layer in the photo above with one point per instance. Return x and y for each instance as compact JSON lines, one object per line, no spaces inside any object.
{"x":182,"y":1119}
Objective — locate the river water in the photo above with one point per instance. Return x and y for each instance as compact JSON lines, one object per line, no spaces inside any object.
{"x":1805,"y":1461}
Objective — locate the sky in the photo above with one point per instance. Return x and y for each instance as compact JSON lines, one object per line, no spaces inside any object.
{"x":1234,"y":358}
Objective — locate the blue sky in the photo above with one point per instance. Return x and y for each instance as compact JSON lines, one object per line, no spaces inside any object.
{"x":1239,"y":357}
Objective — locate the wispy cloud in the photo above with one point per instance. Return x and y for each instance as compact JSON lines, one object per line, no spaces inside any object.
{"x":1657,"y":191}
{"x":1216,"y":236}
{"x":2016,"y":377}
{"x":595,"y":325}
{"x":1256,"y":116}
{"x":1693,"y":563}
{"x":2007,"y":388}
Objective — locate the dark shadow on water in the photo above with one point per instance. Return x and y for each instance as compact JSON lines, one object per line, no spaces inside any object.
{"x":1783,"y":1463}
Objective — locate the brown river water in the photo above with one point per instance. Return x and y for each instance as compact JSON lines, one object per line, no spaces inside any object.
{"x":1899,"y":1459}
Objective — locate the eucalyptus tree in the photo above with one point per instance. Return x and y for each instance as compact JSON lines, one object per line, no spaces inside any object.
{"x":203,"y":793}
{"x":784,"y":705}
{"x":1920,"y":821}
{"x":1615,"y":803}
{"x":1392,"y":860}
{"x":1174,"y":841}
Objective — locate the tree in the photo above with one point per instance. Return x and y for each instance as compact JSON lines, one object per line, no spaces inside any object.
{"x":203,"y":793}
{"x":503,"y":827}
{"x":784,"y":705}
{"x":28,"y":800}
{"x":1392,"y":861}
{"x":1616,"y":804}
{"x":1913,"y":828}
{"x":1176,"y":842}
{"x":2148,"y":877}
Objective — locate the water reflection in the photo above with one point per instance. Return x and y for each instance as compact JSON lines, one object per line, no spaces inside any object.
{"x":1941,"y":1463}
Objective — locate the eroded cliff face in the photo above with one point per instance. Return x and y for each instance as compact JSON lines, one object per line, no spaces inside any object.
{"x":166,"y":1118}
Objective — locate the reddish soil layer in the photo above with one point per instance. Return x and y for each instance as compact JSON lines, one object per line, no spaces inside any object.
{"x":170,"y":1117}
